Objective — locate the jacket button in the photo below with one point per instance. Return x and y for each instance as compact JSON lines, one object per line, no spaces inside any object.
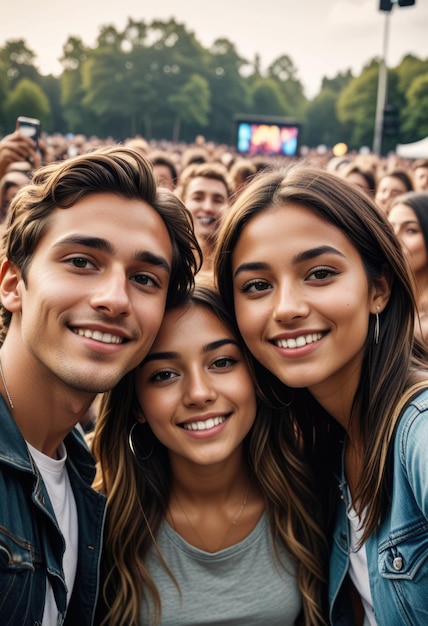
{"x":397,"y":563}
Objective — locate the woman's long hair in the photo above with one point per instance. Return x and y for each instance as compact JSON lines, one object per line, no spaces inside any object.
{"x":138,"y":490}
{"x":388,"y":366}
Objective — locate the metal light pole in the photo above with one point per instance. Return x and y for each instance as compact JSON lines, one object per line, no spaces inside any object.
{"x":382,"y":90}
{"x":382,"y":86}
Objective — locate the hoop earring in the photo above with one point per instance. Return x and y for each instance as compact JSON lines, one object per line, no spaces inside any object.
{"x":138,"y":457}
{"x":377,"y":327}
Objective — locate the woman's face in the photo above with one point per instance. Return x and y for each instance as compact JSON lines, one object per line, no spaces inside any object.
{"x":302,"y":299}
{"x":194,"y":388}
{"x":407,"y":228}
{"x":359,"y":180}
{"x":389,"y":188}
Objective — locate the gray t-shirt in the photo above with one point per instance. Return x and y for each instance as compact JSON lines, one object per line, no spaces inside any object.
{"x":241,"y":585}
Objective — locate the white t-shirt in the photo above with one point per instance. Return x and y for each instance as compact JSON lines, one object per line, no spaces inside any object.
{"x":358,"y":569}
{"x":57,"y":482}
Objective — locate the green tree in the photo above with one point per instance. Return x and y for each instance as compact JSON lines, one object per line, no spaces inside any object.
{"x":17,"y":61}
{"x":284,"y":72}
{"x":52,"y":88}
{"x":267,"y":98}
{"x":105,"y":86}
{"x":229,"y":91}
{"x":322,"y":125}
{"x":191,"y":104}
{"x":28,"y":99}
{"x":174,"y":54}
{"x":4,"y":91}
{"x":356,"y":107}
{"x":414,"y":119}
{"x":338,"y":83}
{"x":74,"y":56}
{"x":410,"y":68}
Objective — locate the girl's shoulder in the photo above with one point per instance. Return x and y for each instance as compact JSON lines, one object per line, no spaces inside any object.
{"x":412,"y":428}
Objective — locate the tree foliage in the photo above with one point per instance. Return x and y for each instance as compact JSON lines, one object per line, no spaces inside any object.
{"x":157,"y":80}
{"x":27,"y":99}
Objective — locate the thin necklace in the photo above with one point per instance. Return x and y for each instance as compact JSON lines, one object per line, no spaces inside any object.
{"x":229,"y":528}
{"x":9,"y":397}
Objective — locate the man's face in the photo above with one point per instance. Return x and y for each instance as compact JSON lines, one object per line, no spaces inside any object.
{"x":95,"y":293}
{"x":207,"y":200}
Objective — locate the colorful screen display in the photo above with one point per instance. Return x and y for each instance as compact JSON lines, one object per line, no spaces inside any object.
{"x":267,"y":138}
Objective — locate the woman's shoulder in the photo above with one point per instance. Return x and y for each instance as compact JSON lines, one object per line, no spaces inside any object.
{"x":412,"y":428}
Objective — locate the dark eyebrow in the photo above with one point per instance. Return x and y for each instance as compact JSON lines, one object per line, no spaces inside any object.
{"x":250,"y":267}
{"x":88,"y":242}
{"x":307,"y":255}
{"x":157,"y":356}
{"x":214,"y":345}
{"x":218,"y":344}
{"x":97,"y":243}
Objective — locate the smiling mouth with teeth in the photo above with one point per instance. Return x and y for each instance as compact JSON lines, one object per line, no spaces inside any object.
{"x":298,"y":342}
{"x":204,"y":425}
{"x":97,"y":335}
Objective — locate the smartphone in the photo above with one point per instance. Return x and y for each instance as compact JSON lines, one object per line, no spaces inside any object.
{"x":29,"y":126}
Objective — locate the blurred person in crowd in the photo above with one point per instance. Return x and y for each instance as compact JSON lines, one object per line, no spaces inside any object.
{"x":164,"y":169}
{"x":240,"y":173}
{"x":206,"y":191}
{"x":420,"y":174}
{"x":360,"y":176}
{"x":409,"y":217}
{"x":391,"y":185}
{"x":10,"y":184}
{"x":138,"y":143}
{"x":194,"y":155}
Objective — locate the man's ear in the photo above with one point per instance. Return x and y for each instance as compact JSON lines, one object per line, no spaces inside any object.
{"x":10,"y":295}
{"x":381,"y":291}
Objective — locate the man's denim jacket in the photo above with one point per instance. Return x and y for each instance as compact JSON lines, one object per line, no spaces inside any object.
{"x":397,"y":552}
{"x":31,"y":544}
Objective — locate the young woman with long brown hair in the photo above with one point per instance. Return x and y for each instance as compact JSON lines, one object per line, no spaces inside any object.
{"x":324,"y":300}
{"x":212,"y":515}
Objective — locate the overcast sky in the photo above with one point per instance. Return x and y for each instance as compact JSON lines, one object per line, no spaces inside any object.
{"x":322,"y":37}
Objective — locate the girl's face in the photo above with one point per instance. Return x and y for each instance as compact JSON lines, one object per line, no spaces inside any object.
{"x":302,"y":300}
{"x":194,"y":388}
{"x":407,"y":228}
{"x":389,"y":188}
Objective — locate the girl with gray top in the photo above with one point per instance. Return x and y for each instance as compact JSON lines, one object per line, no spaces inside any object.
{"x":212,"y":517}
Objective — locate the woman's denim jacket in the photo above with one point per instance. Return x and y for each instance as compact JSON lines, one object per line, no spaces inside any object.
{"x":31,"y":544}
{"x":397,"y":552}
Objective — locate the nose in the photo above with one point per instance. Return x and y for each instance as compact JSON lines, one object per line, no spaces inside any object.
{"x":111,"y":294}
{"x":290,"y":304}
{"x":198,"y":391}
{"x":207,"y":204}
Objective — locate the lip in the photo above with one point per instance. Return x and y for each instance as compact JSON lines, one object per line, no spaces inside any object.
{"x":106,"y":339}
{"x":213,"y":424}
{"x":298,"y":343}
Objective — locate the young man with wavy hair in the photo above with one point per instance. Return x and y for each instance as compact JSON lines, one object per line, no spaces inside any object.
{"x":92,"y":254}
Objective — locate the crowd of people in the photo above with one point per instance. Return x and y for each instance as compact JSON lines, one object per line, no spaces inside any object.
{"x":246,"y":341}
